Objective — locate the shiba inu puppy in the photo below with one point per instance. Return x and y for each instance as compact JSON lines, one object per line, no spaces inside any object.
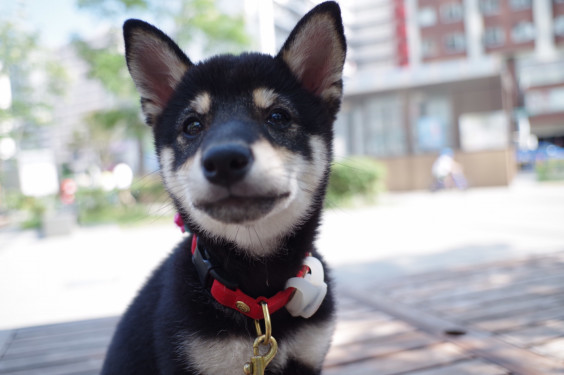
{"x":244,"y":146}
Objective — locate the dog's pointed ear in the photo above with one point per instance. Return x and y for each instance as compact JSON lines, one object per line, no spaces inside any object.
{"x":315,"y":51}
{"x":155,"y":63}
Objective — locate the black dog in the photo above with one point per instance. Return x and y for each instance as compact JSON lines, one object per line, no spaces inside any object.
{"x":244,"y":145}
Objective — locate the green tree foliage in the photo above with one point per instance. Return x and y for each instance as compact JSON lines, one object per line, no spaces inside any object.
{"x":110,"y":8}
{"x":219,"y":32}
{"x":107,"y":65}
{"x":36,"y":79}
{"x":193,"y":20}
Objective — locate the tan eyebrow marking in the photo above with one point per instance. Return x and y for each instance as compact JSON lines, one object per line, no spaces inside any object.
{"x":264,"y":98}
{"x":201,"y":103}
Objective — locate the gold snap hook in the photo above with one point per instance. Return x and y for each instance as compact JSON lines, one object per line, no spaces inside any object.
{"x":258,"y":362}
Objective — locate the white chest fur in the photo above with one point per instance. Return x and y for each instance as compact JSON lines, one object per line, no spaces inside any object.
{"x":226,"y":356}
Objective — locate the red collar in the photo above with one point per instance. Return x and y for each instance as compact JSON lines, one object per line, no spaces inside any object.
{"x":238,"y":300}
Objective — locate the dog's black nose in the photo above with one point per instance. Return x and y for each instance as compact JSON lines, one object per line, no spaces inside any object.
{"x":225,"y":164}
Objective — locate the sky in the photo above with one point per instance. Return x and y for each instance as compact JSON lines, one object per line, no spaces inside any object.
{"x":57,"y":20}
{"x":54,"y":20}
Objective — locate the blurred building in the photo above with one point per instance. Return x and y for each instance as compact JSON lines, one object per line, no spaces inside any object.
{"x":477,"y":76}
{"x":83,"y":95}
{"x":71,"y":137}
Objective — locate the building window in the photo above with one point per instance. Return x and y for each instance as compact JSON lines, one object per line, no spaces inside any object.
{"x":431,"y":124}
{"x":543,"y":101}
{"x":490,"y":7}
{"x":455,"y":42}
{"x":520,"y":4}
{"x":523,"y":32}
{"x":427,"y":17}
{"x":559,"y":25}
{"x":494,"y":37}
{"x":428,"y":48}
{"x":384,"y":133}
{"x":452,"y":12}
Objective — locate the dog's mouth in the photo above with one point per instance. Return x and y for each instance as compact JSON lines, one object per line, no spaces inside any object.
{"x":239,"y":209}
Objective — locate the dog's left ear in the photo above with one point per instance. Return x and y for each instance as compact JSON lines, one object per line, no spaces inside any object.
{"x":315,"y":51}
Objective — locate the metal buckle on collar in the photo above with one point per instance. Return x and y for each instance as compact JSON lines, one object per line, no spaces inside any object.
{"x":207,"y":271}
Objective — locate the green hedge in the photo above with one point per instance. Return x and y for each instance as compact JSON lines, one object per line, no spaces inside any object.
{"x":96,"y":206}
{"x":33,"y":208}
{"x":355,"y":179}
{"x":550,"y":170}
{"x":99,"y":206}
{"x":149,"y":189}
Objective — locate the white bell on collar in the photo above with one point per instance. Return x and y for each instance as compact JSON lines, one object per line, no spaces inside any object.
{"x":310,"y":290}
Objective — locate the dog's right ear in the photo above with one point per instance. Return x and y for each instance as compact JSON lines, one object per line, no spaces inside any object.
{"x":156,"y":65}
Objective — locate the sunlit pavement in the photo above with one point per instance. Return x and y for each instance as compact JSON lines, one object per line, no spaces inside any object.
{"x":420,"y":232}
{"x":95,"y":271}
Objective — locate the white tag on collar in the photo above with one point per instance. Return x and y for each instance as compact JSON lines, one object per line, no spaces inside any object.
{"x":310,"y":290}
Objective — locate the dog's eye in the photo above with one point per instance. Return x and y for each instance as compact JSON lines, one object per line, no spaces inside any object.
{"x":192,"y":127}
{"x":279,"y":119}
